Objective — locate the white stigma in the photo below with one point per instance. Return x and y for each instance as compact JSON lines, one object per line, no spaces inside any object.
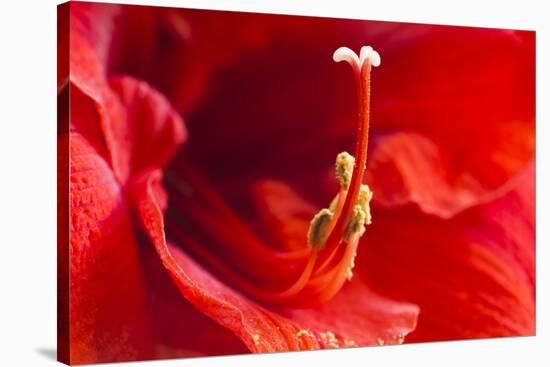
{"x":368,"y":54}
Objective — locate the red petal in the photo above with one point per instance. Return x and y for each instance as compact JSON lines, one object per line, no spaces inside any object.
{"x":259,"y":329}
{"x":152,"y":131}
{"x":472,"y":276}
{"x":131,"y":113}
{"x":358,"y":316}
{"x":369,"y":317}
{"x":176,"y":50}
{"x":284,"y":215}
{"x":178,"y":328}
{"x":474,"y":105}
{"x":407,"y":167}
{"x":108,"y":319}
{"x":88,"y":46}
{"x":186,"y":47}
{"x":62,"y":46}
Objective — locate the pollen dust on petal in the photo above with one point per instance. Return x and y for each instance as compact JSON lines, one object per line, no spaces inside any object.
{"x":349,"y":343}
{"x":399,"y":339}
{"x":304,"y":332}
{"x":256,"y":339}
{"x":329,"y":339}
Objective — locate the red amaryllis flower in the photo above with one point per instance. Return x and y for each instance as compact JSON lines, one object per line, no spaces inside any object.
{"x":209,"y":237}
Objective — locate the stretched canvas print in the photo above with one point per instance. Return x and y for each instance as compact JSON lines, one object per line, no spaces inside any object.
{"x":233,"y":183}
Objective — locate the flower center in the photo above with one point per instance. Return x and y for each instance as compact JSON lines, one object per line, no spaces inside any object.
{"x":309,"y":276}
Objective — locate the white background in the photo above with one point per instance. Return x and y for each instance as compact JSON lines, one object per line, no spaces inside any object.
{"x":28,"y":183}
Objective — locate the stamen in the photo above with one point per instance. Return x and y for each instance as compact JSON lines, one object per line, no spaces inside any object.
{"x":365,"y":196}
{"x":344,"y":169}
{"x":318,"y":228}
{"x":356,"y":225}
{"x":349,"y":270}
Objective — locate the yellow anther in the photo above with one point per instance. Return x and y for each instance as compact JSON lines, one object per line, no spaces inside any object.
{"x":318,"y":228}
{"x":349,"y":269}
{"x":356,"y":224}
{"x":365,"y":196}
{"x":344,"y":169}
